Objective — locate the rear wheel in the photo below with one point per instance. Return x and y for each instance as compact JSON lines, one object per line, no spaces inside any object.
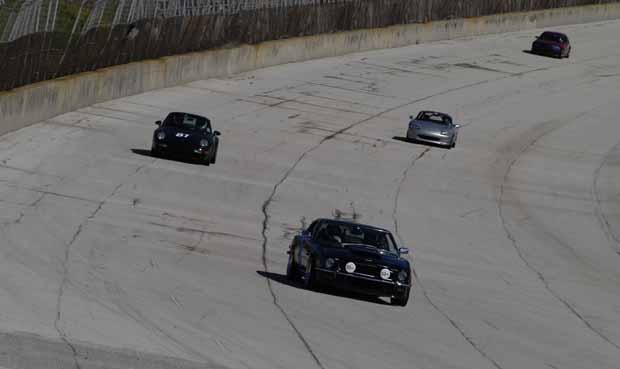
{"x":400,"y":299}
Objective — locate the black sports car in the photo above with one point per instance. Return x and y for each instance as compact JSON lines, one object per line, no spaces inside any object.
{"x":187,"y":135}
{"x":352,"y":256}
{"x":552,"y":43}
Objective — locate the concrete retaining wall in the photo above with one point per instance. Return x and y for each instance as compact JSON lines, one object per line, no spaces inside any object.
{"x":40,"y":101}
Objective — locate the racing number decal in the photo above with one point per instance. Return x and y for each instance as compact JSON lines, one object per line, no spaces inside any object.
{"x":182,"y":135}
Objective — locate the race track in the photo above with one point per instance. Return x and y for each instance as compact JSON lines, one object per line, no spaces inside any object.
{"x":110,"y":258}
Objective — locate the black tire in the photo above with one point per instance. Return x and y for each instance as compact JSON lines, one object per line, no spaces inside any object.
{"x":400,"y":299}
{"x":214,"y":154}
{"x":291,"y":269}
{"x":310,"y":275}
{"x":206,"y":160}
{"x":155,"y":153}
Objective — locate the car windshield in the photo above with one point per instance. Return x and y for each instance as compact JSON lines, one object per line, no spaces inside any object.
{"x":187,"y":122}
{"x":548,"y":36}
{"x":434,"y":117}
{"x":344,"y":233}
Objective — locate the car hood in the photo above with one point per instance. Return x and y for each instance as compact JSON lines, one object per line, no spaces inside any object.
{"x":364,"y":253}
{"x":432,"y":126}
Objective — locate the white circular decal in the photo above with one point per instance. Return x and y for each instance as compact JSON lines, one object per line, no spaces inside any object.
{"x":385,"y":273}
{"x":350,"y":267}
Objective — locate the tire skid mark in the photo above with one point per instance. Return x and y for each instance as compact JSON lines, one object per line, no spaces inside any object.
{"x":65,"y":269}
{"x":511,"y":237}
{"x":452,"y":322}
{"x":614,"y":240}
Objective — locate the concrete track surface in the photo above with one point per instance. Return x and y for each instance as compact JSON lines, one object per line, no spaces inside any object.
{"x":113,"y":259}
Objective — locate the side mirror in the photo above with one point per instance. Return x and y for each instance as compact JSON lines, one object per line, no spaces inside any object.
{"x":217,"y":133}
{"x":158,"y":123}
{"x":411,"y":117}
{"x":403,"y":250}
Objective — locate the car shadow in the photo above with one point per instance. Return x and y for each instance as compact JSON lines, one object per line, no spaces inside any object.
{"x":419,"y":143}
{"x":181,"y":159}
{"x":539,"y":55}
{"x":281,"y":278}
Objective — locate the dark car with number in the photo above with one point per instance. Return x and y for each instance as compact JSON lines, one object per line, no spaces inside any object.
{"x":433,"y":127}
{"x":552,"y":43}
{"x":187,"y":135}
{"x":351,"y":256}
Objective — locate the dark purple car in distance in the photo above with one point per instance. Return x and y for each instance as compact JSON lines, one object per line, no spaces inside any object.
{"x":552,"y":43}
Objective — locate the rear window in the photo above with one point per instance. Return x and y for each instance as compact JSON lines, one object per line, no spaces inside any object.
{"x":547,"y":36}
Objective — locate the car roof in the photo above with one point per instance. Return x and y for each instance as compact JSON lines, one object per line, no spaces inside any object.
{"x":434,"y":112}
{"x":349,"y":222}
{"x":555,"y":33}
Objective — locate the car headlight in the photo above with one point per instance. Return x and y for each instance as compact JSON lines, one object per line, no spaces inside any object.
{"x":204,"y":143}
{"x":415,"y":126}
{"x":161,"y":135}
{"x":329,"y":263}
{"x":445,"y":133}
{"x":402,"y":276}
{"x":385,"y":273}
{"x":350,"y":267}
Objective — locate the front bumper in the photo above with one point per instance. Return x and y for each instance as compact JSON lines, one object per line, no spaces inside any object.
{"x":183,"y":150}
{"x":360,"y":283}
{"x":546,"y":50}
{"x":441,"y":140}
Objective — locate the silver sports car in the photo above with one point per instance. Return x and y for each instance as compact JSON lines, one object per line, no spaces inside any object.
{"x":433,"y":127}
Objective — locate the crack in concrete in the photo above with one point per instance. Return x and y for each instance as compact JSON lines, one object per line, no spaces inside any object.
{"x":452,"y":322}
{"x":65,"y":270}
{"x":265,"y":227}
{"x":269,"y":200}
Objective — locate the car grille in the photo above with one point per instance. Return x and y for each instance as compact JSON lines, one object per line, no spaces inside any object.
{"x":367,"y":269}
{"x":370,"y":270}
{"x":430,"y":138}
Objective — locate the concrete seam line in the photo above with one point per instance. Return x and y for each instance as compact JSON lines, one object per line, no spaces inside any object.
{"x":452,"y":322}
{"x":513,"y":240}
{"x":30,"y":104}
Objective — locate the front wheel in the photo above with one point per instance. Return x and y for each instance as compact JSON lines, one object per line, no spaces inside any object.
{"x":400,"y":299}
{"x":214,"y":154}
{"x":155,"y":152}
{"x":291,"y":269}
{"x":310,"y":275}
